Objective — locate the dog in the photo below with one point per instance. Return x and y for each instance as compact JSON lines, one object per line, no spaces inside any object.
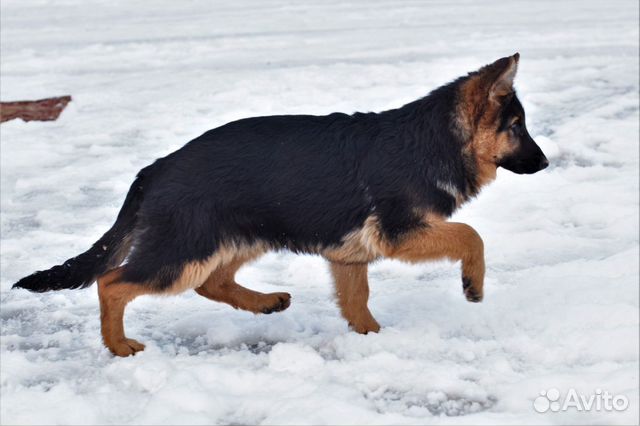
{"x":351,"y":188}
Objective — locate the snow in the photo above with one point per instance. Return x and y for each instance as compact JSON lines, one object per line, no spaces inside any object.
{"x":561,"y":300}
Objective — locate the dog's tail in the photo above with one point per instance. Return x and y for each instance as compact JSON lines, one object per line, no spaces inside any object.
{"x":106,"y":253}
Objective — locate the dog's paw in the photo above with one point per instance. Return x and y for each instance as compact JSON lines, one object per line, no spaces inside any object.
{"x":126,"y":347}
{"x":367,"y":327}
{"x":363,"y":322}
{"x":276,"y":302}
{"x":470,"y":292}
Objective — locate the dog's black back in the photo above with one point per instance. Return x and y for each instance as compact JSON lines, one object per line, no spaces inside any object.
{"x":297,"y":182}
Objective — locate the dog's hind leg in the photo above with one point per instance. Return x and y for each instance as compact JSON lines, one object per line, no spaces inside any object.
{"x":114,"y":294}
{"x":222,"y":287}
{"x":116,"y":290}
{"x":352,"y":290}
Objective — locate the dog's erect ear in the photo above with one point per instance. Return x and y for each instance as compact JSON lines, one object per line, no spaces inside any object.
{"x":499,"y":76}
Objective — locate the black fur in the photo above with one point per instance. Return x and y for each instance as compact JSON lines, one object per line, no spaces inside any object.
{"x":294,"y":182}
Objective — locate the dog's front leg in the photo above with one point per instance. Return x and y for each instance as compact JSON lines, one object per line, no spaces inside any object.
{"x":440,"y":239}
{"x":352,"y":291}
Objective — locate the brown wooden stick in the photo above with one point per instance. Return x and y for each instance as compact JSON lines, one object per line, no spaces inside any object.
{"x":40,"y":110}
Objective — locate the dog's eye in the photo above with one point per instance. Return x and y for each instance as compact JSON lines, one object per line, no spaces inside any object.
{"x":515,"y":127}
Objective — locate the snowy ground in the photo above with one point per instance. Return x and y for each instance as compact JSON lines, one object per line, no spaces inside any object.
{"x":561,"y":307}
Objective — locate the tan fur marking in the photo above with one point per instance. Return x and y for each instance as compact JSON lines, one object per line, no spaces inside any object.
{"x":352,"y":290}
{"x":488,"y":147}
{"x":363,"y":245}
{"x":114,"y":296}
{"x":194,"y":274}
{"x":222,"y":287}
{"x":456,"y":241}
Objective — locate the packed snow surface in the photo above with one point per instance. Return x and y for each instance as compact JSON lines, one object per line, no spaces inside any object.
{"x":561,"y":301}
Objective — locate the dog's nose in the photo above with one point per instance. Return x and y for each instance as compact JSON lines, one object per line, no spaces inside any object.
{"x":544,"y":163}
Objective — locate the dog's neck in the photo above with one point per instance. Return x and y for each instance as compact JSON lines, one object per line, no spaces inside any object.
{"x":479,"y":172}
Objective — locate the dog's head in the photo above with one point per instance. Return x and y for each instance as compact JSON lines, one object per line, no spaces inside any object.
{"x":492,"y":121}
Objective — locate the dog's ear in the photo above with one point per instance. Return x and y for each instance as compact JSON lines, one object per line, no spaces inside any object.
{"x":498,"y":77}
{"x":486,"y":87}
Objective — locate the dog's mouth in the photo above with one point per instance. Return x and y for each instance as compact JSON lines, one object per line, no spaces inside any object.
{"x":525,"y":166}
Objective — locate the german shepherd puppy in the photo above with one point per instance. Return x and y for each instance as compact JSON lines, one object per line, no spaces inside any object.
{"x":352,"y":188}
